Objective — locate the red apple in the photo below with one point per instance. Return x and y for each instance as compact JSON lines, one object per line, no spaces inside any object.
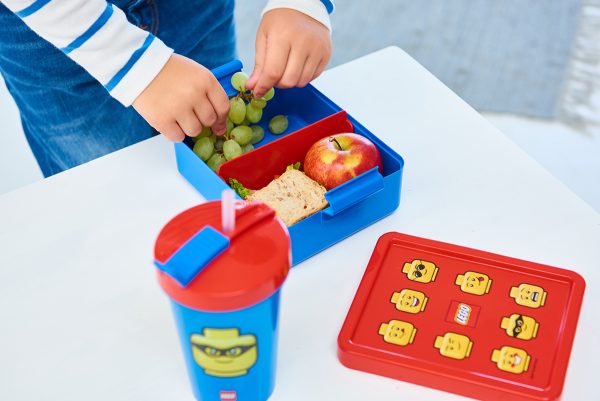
{"x":339,"y":158}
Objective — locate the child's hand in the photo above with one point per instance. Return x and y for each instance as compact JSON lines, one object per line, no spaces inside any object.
{"x":291,"y":50}
{"x":183,"y":98}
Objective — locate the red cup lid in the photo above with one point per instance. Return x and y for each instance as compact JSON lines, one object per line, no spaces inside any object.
{"x":251,"y":269}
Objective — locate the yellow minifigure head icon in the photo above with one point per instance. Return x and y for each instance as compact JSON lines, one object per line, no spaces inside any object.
{"x":474,"y":283}
{"x":420,"y":271}
{"x":410,"y":301}
{"x":454,"y":345}
{"x":520,"y":326}
{"x":398,"y":332}
{"x":509,"y":359}
{"x":529,"y":295}
{"x":223,"y":352}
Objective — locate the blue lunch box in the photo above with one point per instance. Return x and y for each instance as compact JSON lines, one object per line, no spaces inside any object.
{"x":353,"y":205}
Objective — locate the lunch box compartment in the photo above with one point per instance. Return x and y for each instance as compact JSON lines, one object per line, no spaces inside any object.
{"x":301,"y":106}
{"x":258,"y":168}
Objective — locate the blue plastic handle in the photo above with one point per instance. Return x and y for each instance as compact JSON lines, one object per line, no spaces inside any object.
{"x":352,"y":192}
{"x":193,"y":256}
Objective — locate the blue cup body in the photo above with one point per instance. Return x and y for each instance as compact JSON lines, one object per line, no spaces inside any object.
{"x":230,"y":356}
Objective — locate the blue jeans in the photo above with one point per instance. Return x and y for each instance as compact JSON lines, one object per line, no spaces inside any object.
{"x":67,"y":116}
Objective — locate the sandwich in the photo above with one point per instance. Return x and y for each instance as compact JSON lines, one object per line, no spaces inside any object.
{"x":293,"y":195}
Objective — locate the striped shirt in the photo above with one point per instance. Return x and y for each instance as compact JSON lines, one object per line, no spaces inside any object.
{"x":122,"y":57}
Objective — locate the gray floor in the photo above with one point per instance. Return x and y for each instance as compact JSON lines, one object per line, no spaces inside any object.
{"x":506,"y":56}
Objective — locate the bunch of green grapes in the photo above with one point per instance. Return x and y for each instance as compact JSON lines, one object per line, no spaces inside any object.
{"x":243,"y":131}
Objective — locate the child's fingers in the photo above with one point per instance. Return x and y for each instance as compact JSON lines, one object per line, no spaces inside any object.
{"x":206,"y":114}
{"x":259,"y":59}
{"x":189,"y":123}
{"x":220,"y":103}
{"x":276,"y":59}
{"x":321,"y":67}
{"x":309,"y":71}
{"x":293,"y":70}
{"x":172,"y":132}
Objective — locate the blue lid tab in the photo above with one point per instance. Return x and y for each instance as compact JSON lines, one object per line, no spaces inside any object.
{"x":194,"y":255}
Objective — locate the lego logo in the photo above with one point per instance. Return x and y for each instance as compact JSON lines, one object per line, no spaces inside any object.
{"x":463,"y":312}
{"x":228,"y":396}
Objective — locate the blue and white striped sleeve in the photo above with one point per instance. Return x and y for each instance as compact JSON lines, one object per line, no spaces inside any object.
{"x":317,"y":9}
{"x":97,"y":35}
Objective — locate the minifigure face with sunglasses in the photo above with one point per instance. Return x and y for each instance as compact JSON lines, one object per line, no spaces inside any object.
{"x":420,"y":271}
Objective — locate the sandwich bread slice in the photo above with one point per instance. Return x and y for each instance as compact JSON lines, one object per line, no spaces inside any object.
{"x":293,"y":195}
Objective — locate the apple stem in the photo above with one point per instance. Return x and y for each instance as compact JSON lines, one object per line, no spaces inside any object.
{"x":332,"y":139}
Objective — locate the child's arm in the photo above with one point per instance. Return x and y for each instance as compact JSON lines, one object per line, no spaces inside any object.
{"x":293,"y":44}
{"x":174,"y":94}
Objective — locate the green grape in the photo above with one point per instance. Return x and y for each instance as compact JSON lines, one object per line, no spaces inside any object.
{"x":231,"y":149}
{"x":253,"y":114}
{"x":258,"y":133}
{"x":237,"y":111}
{"x":242,"y":135}
{"x":230,"y":126}
{"x":269,"y":95}
{"x":215,"y":161}
{"x":245,"y":122}
{"x":278,"y":124}
{"x":247,"y":148}
{"x":238,"y":80}
{"x":219,"y":144}
{"x":213,"y":138}
{"x":258,"y":103}
{"x":204,"y":133}
{"x":204,"y":148}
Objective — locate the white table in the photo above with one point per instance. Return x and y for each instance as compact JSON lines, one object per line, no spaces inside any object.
{"x":82,"y":318}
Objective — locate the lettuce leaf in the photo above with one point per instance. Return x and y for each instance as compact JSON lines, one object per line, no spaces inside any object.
{"x":237,"y":186}
{"x":295,"y":166}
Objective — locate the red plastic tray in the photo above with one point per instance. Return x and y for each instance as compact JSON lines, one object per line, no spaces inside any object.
{"x":461,"y":320}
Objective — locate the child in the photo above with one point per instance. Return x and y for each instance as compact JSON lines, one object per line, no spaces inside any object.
{"x":73,"y":89}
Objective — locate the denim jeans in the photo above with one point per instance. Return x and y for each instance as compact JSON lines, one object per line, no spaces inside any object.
{"x":67,"y":116}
